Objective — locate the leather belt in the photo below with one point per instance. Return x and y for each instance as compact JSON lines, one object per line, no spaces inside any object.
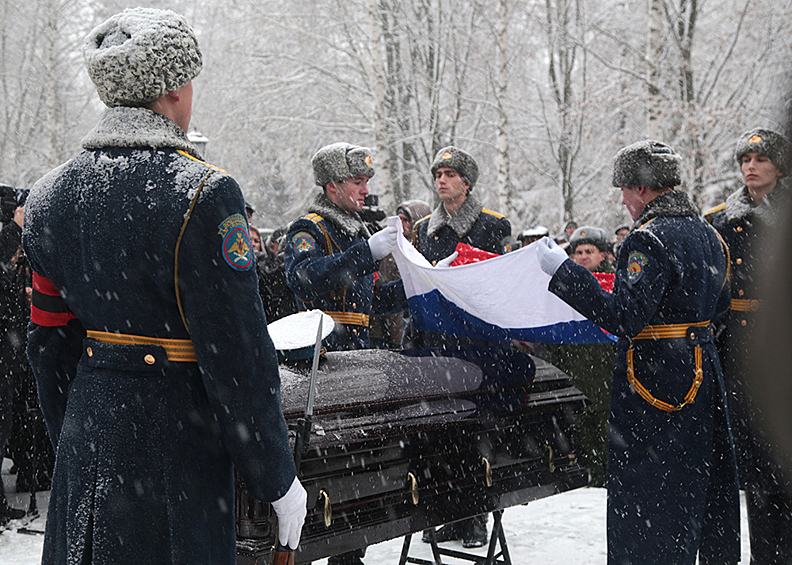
{"x":180,"y":350}
{"x":746,"y":305}
{"x":669,"y":331}
{"x":350,"y":318}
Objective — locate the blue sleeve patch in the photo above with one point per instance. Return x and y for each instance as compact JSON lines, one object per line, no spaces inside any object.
{"x":506,"y":245}
{"x":636,"y":262}
{"x":237,"y":249}
{"x":302,"y":242}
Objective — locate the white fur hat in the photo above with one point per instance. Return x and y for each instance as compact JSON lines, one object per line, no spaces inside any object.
{"x":140,"y":55}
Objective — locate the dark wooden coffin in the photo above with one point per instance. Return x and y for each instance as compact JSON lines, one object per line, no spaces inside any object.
{"x":406,"y":441}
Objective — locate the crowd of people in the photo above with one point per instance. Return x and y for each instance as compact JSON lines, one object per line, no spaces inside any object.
{"x":154,"y":369}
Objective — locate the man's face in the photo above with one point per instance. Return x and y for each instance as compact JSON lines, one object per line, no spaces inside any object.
{"x":349,"y":194}
{"x":633,"y":200}
{"x":759,"y":172}
{"x":255,"y":239}
{"x":451,"y":187}
{"x":588,"y":255}
{"x":621,"y":234}
{"x":406,"y":225}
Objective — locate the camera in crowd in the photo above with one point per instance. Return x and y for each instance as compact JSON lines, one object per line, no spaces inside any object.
{"x":371,"y":212}
{"x":10,"y":199}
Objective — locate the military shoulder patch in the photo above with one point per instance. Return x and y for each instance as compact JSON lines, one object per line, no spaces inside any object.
{"x":303,"y":241}
{"x":636,"y":263}
{"x":237,"y":249}
{"x":506,"y":245}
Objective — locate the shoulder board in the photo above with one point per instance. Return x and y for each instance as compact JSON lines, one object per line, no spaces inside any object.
{"x":421,"y":220}
{"x":218,"y":169}
{"x":315,"y":218}
{"x":647,"y":223}
{"x":491,"y":213}
{"x":712,"y":211}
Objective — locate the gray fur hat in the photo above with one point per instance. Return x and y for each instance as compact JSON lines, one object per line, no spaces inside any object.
{"x":765,"y":142}
{"x":339,"y":161}
{"x":647,"y":163}
{"x":140,"y":55}
{"x":589,"y":234}
{"x":454,"y":158}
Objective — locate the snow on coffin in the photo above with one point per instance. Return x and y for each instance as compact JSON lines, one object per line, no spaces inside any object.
{"x":406,"y":441}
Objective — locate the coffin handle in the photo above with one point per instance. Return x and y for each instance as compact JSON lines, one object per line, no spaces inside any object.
{"x":327,"y":509}
{"x":487,"y":471}
{"x":412,"y":485}
{"x":551,"y":463}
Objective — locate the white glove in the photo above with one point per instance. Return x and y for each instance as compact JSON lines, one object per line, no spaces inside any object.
{"x":291,"y":509}
{"x":448,"y":260}
{"x":383,"y":242}
{"x":550,"y":255}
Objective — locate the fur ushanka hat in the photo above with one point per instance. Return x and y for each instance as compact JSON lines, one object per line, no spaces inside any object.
{"x":647,"y":163}
{"x":339,"y":161}
{"x":765,"y":142}
{"x":454,"y":158}
{"x":140,"y":55}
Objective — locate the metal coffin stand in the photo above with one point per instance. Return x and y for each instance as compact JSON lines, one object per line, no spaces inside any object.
{"x":407,"y":441}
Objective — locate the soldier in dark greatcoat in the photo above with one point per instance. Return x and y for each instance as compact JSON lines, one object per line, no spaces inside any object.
{"x":459,"y":218}
{"x":672,"y":477}
{"x":331,"y":258}
{"x":744,"y":221}
{"x":148,"y":340}
{"x":330,"y":255}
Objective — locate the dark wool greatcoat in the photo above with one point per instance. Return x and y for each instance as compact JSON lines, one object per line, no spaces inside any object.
{"x":145,"y":445}
{"x":743,"y":225}
{"x":672,"y":483}
{"x":437,"y":235}
{"x":329,"y":267}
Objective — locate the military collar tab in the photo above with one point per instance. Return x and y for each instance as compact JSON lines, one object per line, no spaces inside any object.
{"x":460,"y":223}
{"x":126,"y":126}
{"x":349,"y":223}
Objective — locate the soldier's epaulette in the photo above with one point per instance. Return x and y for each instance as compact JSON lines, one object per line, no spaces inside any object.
{"x":315,"y":218}
{"x":422,"y":220}
{"x":643,"y":226}
{"x":491,"y":213}
{"x":712,"y":211}
{"x":218,"y":169}
{"x":415,"y":240}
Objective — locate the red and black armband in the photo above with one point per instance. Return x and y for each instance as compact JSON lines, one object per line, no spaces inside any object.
{"x":48,"y":308}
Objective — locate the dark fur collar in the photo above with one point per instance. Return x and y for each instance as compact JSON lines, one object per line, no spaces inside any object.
{"x":740,"y":206}
{"x":461,"y":222}
{"x":138,"y":127}
{"x":674,"y":203}
{"x":349,"y":223}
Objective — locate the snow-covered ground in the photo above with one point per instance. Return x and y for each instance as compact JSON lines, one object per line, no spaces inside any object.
{"x":566,"y":528}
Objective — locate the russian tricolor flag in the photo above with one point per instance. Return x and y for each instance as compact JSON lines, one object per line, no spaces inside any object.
{"x":497,"y":300}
